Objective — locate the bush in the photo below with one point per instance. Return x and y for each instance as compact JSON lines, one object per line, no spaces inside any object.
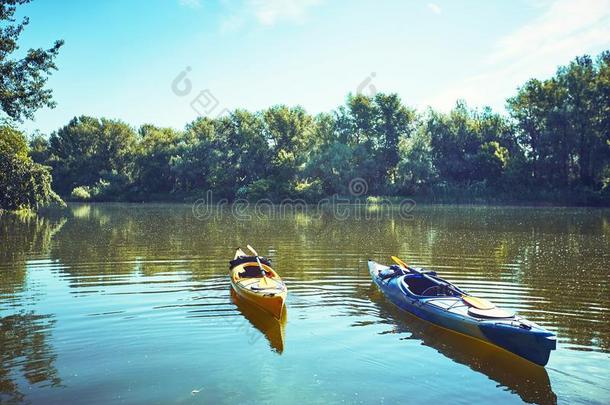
{"x":256,"y":190}
{"x":80,"y":193}
{"x":23,"y":183}
{"x":309,"y":191}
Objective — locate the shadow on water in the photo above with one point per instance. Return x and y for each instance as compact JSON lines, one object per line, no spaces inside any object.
{"x":25,"y":355}
{"x":531,"y":382}
{"x":22,"y":238}
{"x":270,"y":327}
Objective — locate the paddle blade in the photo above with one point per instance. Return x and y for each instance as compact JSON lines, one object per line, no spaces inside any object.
{"x":264,"y":283}
{"x":251,"y":249}
{"x":400,"y":262}
{"x":479,"y":303}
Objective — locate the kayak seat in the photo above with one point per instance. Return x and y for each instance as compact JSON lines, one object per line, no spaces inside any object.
{"x":248,"y":259}
{"x":419,"y":285}
{"x":251,"y":272}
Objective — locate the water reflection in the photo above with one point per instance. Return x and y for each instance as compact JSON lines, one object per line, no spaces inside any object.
{"x":269,"y":326}
{"x":25,"y":354}
{"x":23,"y":237}
{"x":548,"y":264}
{"x":529,"y":381}
{"x":137,"y":268}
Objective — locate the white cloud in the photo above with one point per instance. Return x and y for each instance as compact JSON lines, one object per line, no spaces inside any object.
{"x":564,"y":29}
{"x":563,"y":23}
{"x":267,"y":12}
{"x":231,"y":23}
{"x":190,"y":3}
{"x":435,"y":8}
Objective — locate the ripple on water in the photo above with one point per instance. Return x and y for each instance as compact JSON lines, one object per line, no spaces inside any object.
{"x":142,"y":294}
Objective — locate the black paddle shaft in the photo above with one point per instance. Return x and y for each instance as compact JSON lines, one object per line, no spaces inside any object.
{"x":436,"y":281}
{"x":260,"y":266}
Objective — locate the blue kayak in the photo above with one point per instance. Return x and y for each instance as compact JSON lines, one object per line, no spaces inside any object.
{"x":433,"y":299}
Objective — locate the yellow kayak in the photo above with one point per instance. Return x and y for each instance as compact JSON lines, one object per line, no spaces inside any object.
{"x":262,"y":288}
{"x":271,"y":327}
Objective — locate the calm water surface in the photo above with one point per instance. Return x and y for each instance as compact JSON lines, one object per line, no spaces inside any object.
{"x":131,"y":304}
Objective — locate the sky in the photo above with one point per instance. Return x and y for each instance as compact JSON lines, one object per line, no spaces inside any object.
{"x":167,"y":61}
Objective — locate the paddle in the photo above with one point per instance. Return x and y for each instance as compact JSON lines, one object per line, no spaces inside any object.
{"x":251,"y":249}
{"x":479,"y":303}
{"x":264,"y":282}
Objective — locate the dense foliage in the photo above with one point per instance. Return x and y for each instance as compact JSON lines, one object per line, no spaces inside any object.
{"x":554,"y":146}
{"x":22,"y":80}
{"x":24,"y":184}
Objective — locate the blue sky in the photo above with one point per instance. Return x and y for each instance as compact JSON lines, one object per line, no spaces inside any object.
{"x":121,"y":56}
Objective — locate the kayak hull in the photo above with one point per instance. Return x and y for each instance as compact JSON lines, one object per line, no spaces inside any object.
{"x":271,"y":304}
{"x":512,"y":333}
{"x":267,"y":292}
{"x":271,"y":327}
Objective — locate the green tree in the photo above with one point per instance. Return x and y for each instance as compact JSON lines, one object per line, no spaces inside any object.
{"x":562,"y":123}
{"x":154,"y":153}
{"x":224,"y":155}
{"x":556,"y":140}
{"x":329,"y":157}
{"x":196,"y":158}
{"x":393,"y":122}
{"x":88,"y":150}
{"x":39,"y":148}
{"x":287,"y":131}
{"x":416,"y":169}
{"x":23,"y":183}
{"x":468,"y":146}
{"x":22,"y":81}
{"x":356,"y":128}
{"x":579,"y":79}
{"x":528,"y":109}
{"x":373,"y":127}
{"x":601,"y":155}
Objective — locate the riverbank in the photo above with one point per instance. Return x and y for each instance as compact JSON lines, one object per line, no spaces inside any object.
{"x":465,"y":196}
{"x":22,"y":212}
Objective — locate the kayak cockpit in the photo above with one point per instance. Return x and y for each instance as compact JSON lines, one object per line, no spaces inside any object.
{"x":251,"y":270}
{"x":424,"y":284}
{"x":447,"y":297}
{"x":421,"y":286}
{"x":244,"y":266}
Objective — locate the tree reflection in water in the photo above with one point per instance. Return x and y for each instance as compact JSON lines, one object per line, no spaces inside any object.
{"x":528,"y":380}
{"x":25,"y":354}
{"x":26,"y":357}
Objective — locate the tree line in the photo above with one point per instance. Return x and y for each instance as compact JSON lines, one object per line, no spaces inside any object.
{"x":553,"y":145}
{"x":23,"y":182}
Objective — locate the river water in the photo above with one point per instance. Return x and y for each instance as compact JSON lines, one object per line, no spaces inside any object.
{"x":131,"y":303}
